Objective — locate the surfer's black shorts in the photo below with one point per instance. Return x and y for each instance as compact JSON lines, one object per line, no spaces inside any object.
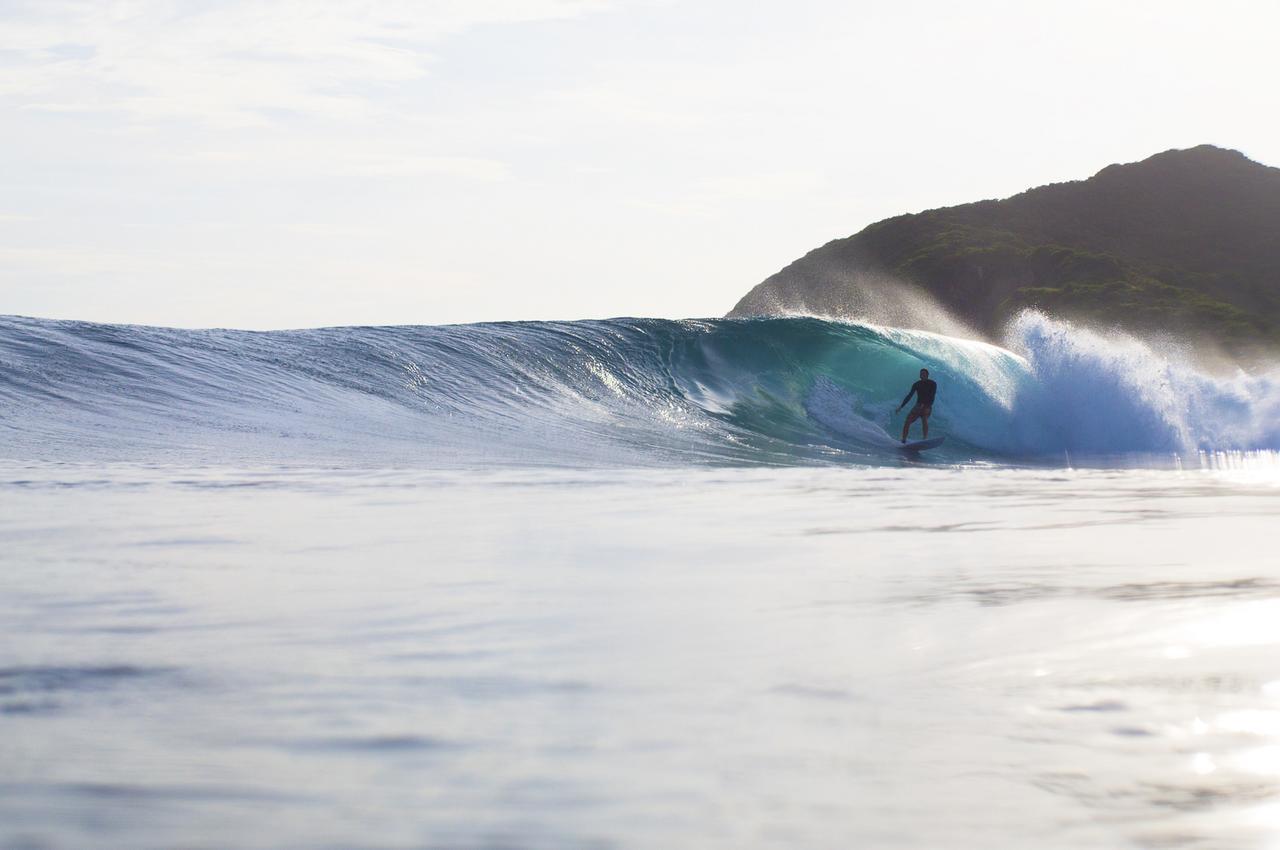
{"x":920,"y":410}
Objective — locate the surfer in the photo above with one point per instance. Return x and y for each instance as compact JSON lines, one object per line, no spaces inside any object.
{"x":924,"y":390}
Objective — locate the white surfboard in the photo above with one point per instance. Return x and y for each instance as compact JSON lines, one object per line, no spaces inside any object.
{"x":921,"y":445}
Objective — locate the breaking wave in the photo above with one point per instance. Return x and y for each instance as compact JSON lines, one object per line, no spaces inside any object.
{"x":609,"y":392}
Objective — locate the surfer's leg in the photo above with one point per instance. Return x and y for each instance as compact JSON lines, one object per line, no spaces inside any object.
{"x":924,"y":423}
{"x":906,"y":426}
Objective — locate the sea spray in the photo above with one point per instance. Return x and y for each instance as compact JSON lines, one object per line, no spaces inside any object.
{"x":1112,"y":393}
{"x":617,"y":392}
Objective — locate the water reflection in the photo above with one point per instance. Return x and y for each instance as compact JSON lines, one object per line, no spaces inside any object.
{"x":624,"y":660}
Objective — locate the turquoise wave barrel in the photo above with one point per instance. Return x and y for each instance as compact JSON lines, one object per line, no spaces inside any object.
{"x":609,"y":392}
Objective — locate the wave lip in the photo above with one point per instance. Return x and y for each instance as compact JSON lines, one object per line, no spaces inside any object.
{"x":618,"y":392}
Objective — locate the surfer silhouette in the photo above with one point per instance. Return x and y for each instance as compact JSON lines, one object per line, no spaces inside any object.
{"x":924,"y":390}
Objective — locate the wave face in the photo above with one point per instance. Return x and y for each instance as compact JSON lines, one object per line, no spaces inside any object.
{"x":609,"y":392}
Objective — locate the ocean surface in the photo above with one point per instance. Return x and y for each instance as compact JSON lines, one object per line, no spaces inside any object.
{"x":633,"y":584}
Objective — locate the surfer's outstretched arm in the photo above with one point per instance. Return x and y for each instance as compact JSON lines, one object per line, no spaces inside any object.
{"x":908,"y":398}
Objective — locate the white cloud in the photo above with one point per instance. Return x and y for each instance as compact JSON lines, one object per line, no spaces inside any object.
{"x":198,"y":161}
{"x":84,"y":262}
{"x":709,"y":198}
{"x":232,"y":64}
{"x":338,"y":158}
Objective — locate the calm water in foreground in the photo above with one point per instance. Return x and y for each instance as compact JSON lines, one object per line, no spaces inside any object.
{"x":697,"y":658}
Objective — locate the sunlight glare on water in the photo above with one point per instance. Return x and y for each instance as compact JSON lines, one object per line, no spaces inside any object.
{"x":709,"y":657}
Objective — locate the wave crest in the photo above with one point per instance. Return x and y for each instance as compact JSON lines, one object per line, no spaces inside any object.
{"x":609,"y":392}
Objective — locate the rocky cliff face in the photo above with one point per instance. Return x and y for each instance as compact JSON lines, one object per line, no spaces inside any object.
{"x":1185,"y":242}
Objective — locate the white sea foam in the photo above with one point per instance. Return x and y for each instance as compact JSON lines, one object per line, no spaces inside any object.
{"x":1111,"y":393}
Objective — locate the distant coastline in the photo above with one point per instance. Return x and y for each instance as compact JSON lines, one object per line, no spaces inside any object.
{"x":1186,"y":242}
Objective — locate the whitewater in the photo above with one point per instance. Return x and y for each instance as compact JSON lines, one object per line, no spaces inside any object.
{"x":623,"y":392}
{"x":633,"y":583}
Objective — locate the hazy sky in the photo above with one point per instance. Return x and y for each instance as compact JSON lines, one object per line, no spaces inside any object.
{"x":279,"y":164}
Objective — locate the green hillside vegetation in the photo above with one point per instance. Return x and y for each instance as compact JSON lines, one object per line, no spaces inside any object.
{"x":1185,"y":242}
